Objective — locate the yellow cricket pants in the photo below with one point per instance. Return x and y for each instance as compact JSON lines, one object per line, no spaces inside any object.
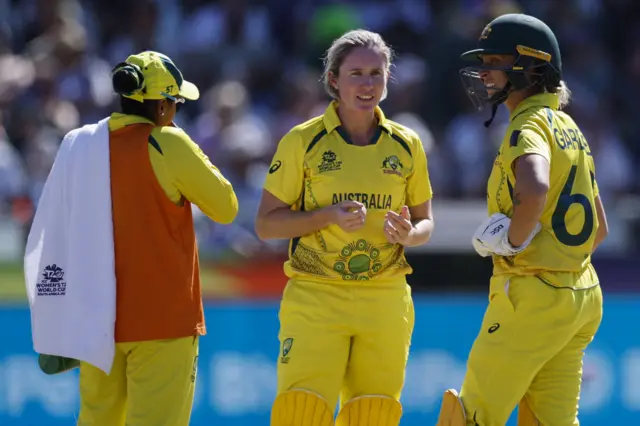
{"x":531,"y":345}
{"x":345,"y":340}
{"x":151,"y":384}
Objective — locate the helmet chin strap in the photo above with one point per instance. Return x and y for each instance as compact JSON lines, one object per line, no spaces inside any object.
{"x":494,"y":109}
{"x":496,"y":100}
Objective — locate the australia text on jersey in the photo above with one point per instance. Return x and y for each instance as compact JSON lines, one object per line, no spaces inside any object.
{"x":370,"y":200}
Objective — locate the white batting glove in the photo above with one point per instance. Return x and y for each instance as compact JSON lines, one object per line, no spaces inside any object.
{"x":492,"y":236}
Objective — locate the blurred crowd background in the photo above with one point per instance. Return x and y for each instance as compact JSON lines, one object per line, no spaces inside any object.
{"x":258,"y":65}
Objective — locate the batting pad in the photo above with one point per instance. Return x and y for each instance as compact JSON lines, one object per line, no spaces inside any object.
{"x":451,"y":411}
{"x":525,"y":415}
{"x":370,"y":410}
{"x":301,"y":408}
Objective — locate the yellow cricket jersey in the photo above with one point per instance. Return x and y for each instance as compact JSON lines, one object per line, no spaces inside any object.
{"x":184,"y":171}
{"x":316,"y":166}
{"x":560,"y":254}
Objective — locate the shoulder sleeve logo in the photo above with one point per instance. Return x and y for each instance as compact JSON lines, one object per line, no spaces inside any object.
{"x":493,"y":328}
{"x":275,"y":166}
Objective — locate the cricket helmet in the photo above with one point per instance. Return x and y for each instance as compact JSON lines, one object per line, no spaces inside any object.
{"x":534,"y":47}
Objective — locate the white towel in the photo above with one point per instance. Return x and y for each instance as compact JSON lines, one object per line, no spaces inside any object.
{"x":69,"y":259}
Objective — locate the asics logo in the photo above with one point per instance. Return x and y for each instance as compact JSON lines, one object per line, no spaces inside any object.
{"x":497,"y":229}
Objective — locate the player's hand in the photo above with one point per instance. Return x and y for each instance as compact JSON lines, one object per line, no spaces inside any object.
{"x":492,"y":236}
{"x":398,"y":227}
{"x":349,"y":215}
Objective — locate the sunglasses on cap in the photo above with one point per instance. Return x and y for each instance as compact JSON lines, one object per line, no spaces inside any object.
{"x":176,"y":99}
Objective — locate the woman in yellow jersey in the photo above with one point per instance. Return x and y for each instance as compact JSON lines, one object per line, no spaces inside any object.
{"x":545,"y":220}
{"x":350,"y":188}
{"x":156,"y":173}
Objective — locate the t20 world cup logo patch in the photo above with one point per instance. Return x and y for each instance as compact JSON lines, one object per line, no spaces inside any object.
{"x":52,"y":282}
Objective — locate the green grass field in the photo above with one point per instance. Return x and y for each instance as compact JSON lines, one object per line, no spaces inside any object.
{"x":12,"y":283}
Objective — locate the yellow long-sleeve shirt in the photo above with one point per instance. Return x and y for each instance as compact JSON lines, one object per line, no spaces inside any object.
{"x":184,"y":171}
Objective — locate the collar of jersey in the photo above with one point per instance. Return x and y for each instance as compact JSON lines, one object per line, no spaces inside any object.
{"x":332,"y":121}
{"x":118,"y":120}
{"x":550,"y":100}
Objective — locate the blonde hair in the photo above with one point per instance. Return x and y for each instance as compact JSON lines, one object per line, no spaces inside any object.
{"x":563,"y":92}
{"x":340,"y":49}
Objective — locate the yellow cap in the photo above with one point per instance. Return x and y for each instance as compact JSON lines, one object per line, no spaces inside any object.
{"x":161,"y":78}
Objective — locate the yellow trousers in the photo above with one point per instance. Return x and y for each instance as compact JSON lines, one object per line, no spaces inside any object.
{"x":345,"y":340}
{"x":151,"y":384}
{"x":530,"y":345}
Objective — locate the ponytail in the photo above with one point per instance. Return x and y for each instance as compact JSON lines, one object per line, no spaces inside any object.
{"x":563,"y":92}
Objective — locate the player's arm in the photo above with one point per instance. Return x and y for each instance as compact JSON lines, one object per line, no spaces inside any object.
{"x":419,"y":195}
{"x":603,"y":227}
{"x":530,"y":158}
{"x":529,"y":196}
{"x":414,"y":225}
{"x":276,"y":219}
{"x":196,"y":178}
{"x":422,"y":221}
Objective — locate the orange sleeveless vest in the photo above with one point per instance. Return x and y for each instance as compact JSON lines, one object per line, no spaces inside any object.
{"x":156,"y":258}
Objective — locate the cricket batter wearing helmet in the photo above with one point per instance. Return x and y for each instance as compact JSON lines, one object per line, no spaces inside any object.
{"x":546,"y":219}
{"x":350,"y":188}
